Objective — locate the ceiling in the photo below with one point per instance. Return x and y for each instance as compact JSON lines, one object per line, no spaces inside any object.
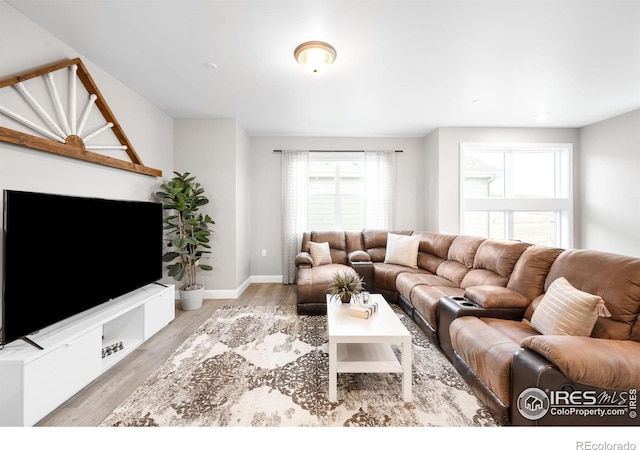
{"x":403,"y":67}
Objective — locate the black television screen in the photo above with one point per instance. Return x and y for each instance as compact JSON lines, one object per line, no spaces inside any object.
{"x":65,"y":254}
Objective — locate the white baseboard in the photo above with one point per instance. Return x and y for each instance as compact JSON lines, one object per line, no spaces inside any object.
{"x":235,"y":293}
{"x":221,"y":294}
{"x":266,"y":279}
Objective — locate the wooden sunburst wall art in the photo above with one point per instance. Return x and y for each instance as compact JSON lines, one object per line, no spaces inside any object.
{"x":82,"y":127}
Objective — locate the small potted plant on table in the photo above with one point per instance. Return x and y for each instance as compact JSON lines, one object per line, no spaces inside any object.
{"x":188,"y":235}
{"x":345,"y":285}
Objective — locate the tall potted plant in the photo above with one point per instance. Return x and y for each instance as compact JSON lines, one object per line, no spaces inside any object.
{"x":188,"y":235}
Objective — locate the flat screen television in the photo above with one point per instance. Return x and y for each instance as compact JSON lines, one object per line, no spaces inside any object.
{"x":64,"y":255}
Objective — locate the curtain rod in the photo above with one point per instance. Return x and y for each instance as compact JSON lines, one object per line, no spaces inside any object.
{"x":337,"y":151}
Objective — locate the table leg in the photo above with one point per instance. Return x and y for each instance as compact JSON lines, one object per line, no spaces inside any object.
{"x":406,"y":372}
{"x":333,"y":371}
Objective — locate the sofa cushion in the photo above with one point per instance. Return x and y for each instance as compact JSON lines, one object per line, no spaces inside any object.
{"x":566,"y":310}
{"x":313,"y":282}
{"x":353,"y":241}
{"x":320,"y":253}
{"x":425,"y":300}
{"x":385,"y":275}
{"x":531,"y":270}
{"x":452,"y":271}
{"x":610,"y":276}
{"x":515,"y":330}
{"x":493,"y":263}
{"x":402,"y":250}
{"x":463,"y":250}
{"x":499,"y":256}
{"x":433,"y":250}
{"x":460,"y":258}
{"x":337,"y":244}
{"x":488,"y":357}
{"x":406,"y":281}
{"x":482,"y":277}
{"x":429,"y":262}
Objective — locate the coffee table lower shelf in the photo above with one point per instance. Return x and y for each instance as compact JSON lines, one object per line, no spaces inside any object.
{"x":369,"y":357}
{"x":366,"y":358}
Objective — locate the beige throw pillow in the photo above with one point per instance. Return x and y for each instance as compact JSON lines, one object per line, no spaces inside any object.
{"x":320,"y":253}
{"x":566,"y":310}
{"x":402,"y":250}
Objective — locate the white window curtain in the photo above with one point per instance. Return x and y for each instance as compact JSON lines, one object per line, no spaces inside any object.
{"x":379,"y":194}
{"x":295,"y":181}
{"x":379,"y":169}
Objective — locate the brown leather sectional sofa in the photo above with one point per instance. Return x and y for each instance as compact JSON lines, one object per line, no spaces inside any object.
{"x":476,"y":298}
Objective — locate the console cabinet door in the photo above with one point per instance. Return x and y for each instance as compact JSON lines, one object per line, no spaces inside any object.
{"x":158,"y":312}
{"x":50,"y":380}
{"x":10,"y":395}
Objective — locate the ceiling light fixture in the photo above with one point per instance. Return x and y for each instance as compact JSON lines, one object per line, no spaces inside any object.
{"x":315,"y":55}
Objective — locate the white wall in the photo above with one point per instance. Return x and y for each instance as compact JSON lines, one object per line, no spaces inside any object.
{"x":25,"y":46}
{"x":609,"y":166}
{"x":444,"y":150}
{"x":266,"y":189}
{"x":218,"y":153}
{"x":243,"y":205}
{"x":431,"y":183}
{"x":206,"y":148}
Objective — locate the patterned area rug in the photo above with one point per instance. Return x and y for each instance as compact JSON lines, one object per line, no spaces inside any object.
{"x":267,"y":366}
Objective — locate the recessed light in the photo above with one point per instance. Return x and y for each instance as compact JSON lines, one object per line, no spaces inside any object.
{"x":210,"y":65}
{"x":542,"y":116}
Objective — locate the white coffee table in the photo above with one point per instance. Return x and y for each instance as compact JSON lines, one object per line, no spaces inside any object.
{"x":359,"y":345}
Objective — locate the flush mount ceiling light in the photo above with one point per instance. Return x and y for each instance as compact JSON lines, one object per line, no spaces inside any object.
{"x":315,"y":55}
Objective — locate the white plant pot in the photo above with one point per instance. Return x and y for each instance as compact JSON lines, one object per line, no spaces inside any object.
{"x":192,"y":299}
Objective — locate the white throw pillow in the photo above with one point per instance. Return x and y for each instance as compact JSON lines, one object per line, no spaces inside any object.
{"x":320,"y":253}
{"x":402,"y":250}
{"x":566,"y":310}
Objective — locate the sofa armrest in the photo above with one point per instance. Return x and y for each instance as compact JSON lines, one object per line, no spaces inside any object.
{"x":567,"y":402}
{"x":604,"y":363}
{"x":496,"y":297}
{"x":358,"y":256}
{"x":450,"y":308}
{"x":365,"y":272}
{"x":303,"y":259}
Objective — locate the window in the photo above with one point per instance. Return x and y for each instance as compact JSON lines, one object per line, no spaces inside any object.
{"x":339,"y":190}
{"x":517,"y":191}
{"x":336,"y":191}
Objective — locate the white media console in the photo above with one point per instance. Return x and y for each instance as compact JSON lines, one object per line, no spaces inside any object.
{"x":34,"y":382}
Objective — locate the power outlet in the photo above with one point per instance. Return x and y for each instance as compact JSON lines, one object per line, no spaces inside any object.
{"x":264,"y":252}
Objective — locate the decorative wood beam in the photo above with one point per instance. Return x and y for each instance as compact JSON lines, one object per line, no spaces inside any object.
{"x":74,"y":146}
{"x":74,"y":150}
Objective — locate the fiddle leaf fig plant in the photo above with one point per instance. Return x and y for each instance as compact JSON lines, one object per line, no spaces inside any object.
{"x":188,"y":229}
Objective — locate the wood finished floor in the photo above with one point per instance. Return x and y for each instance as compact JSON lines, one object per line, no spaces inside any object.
{"x":94,"y":403}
